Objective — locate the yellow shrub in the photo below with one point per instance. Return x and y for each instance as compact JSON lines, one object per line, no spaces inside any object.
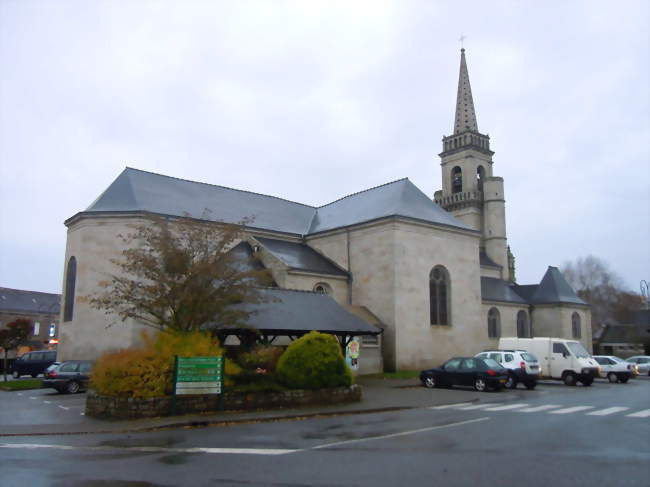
{"x":147,"y":371}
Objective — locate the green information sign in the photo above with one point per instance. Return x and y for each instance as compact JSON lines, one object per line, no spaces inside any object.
{"x":198,"y":375}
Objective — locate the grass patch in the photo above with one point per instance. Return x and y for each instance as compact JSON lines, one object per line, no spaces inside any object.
{"x":21,"y":385}
{"x":400,"y":374}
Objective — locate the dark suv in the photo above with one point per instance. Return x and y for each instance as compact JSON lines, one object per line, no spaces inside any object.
{"x":33,"y":363}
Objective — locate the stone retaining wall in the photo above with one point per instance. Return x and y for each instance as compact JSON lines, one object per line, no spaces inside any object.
{"x":108,"y":407}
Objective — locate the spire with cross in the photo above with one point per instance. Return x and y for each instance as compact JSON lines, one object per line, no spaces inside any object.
{"x":465,"y":114}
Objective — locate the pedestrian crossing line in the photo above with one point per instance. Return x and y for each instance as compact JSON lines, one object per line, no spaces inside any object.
{"x":641,"y":414}
{"x":574,"y":409}
{"x":537,"y":409}
{"x":480,"y":406}
{"x":447,"y":406}
{"x":506,"y":407}
{"x":605,"y":412}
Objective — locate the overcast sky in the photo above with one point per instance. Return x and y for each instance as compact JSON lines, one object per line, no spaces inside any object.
{"x":310,"y":101}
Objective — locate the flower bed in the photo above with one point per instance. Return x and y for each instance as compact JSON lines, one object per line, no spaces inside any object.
{"x":107,"y":407}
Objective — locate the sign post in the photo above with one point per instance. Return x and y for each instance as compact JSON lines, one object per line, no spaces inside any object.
{"x":197,"y":375}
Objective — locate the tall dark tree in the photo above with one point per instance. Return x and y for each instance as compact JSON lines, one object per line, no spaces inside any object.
{"x":15,"y":334}
{"x":603,"y":289}
{"x":179,"y":274}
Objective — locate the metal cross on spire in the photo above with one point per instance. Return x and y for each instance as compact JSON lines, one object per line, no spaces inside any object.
{"x":461,"y":39}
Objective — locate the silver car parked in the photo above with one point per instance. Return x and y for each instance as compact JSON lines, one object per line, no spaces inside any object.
{"x":642,"y":361}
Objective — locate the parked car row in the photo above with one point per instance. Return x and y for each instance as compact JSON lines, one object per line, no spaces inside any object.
{"x":526,"y":360}
{"x":66,"y":377}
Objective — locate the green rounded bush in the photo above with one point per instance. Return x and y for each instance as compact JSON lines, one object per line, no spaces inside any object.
{"x":314,"y":361}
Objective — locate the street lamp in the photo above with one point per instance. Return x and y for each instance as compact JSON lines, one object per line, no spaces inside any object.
{"x":645,"y":292}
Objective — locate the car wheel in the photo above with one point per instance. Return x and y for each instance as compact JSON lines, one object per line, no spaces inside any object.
{"x":480,"y":385}
{"x":16,"y":375}
{"x":72,"y":387}
{"x":612,"y":377}
{"x":624,"y":380}
{"x":530,"y":385}
{"x":587,"y":382}
{"x":570,"y":379}
{"x":430,"y":382}
{"x":511,"y":383}
{"x":34,"y":376}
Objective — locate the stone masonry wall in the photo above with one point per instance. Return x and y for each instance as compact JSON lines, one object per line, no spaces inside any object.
{"x":107,"y":407}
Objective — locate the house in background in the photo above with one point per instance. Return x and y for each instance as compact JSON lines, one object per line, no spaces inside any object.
{"x":625,"y":339}
{"x":42,"y":309}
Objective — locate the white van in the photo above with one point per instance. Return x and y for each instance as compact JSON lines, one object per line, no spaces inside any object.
{"x":566,"y":360}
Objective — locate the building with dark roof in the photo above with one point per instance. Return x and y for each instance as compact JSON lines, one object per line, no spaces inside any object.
{"x":41,"y":309}
{"x":434,"y":276}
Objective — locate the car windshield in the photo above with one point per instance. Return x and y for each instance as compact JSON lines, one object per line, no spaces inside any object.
{"x":617,"y":359}
{"x":578,"y":350}
{"x":528,"y":357}
{"x":493,"y":364}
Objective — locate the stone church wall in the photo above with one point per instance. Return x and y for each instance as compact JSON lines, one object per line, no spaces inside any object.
{"x":554,"y":320}
{"x":93,"y":242}
{"x":508,"y":321}
{"x":418,"y":249}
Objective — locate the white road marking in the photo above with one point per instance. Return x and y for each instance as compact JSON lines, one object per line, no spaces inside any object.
{"x":574,"y":409}
{"x":457,"y":405}
{"x":480,"y":406}
{"x":539,"y":408}
{"x":506,"y":407}
{"x":394,"y":435}
{"x":32,"y":397}
{"x":82,"y":414}
{"x":47,"y":402}
{"x":605,"y":412}
{"x":641,"y":414}
{"x":153,"y":449}
{"x":63,"y":407}
{"x":20,"y":393}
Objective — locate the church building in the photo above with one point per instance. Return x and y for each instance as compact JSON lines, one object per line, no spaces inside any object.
{"x":420,"y":279}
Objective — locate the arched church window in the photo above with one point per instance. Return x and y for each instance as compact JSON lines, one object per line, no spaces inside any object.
{"x":70,"y":281}
{"x":456,"y":180}
{"x":322,"y":288}
{"x":523,"y":328}
{"x":575,"y":326}
{"x":494,"y":323}
{"x":480,"y":177}
{"x":439,"y":291}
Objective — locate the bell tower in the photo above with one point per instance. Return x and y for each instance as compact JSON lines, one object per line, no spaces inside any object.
{"x":470,"y":192}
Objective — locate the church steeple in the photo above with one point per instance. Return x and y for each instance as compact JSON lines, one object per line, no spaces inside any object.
{"x":470,"y":191}
{"x":465,"y":114}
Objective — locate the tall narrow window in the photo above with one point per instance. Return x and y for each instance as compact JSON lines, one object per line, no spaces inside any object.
{"x":456,"y":180}
{"x":480,"y":176}
{"x":494,"y":323}
{"x":70,"y":280}
{"x":575,"y":326}
{"x":439,"y":296}
{"x":523,"y":329}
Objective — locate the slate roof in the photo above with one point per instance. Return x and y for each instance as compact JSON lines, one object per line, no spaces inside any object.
{"x":19,"y":301}
{"x":553,"y":289}
{"x":301,"y":257}
{"x":493,"y":289}
{"x":485,"y":260}
{"x":399,"y":198}
{"x":289,"y":311}
{"x":624,"y":334}
{"x":136,"y":191}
